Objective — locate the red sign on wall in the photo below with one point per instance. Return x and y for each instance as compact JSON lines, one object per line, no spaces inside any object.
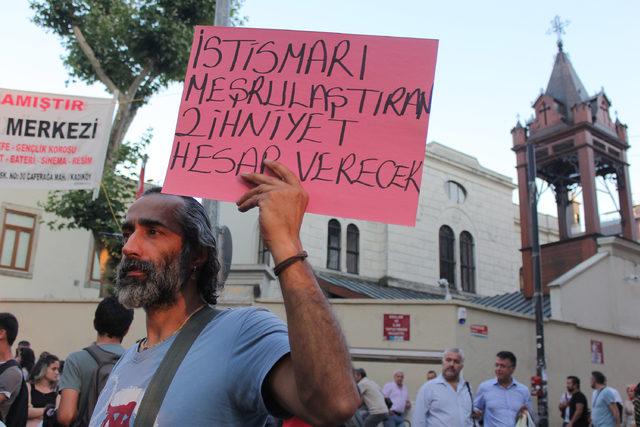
{"x":397,"y":327}
{"x":597,"y":352}
{"x":481,"y":331}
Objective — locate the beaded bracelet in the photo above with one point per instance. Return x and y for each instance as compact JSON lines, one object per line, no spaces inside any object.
{"x":287,"y":262}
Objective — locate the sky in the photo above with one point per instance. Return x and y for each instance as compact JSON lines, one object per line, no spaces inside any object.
{"x":494,"y":58}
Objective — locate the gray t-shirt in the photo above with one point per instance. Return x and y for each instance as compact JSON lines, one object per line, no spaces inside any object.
{"x":219,"y":382}
{"x":10,"y":383}
{"x":79,"y":369}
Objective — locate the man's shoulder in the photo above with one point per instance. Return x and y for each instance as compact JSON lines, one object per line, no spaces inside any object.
{"x":243,"y":313}
{"x":11,"y":370}
{"x":518,"y":386}
{"x":12,"y":374}
{"x":245,"y":320}
{"x":578,"y":396}
{"x":82,"y":355}
{"x":430,"y":385}
{"x":487,"y":383}
{"x":609,"y":392}
{"x":368,"y":382}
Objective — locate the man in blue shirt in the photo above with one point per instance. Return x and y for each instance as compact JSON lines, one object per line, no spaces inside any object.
{"x":500,"y":400}
{"x":446,"y":400}
{"x":245,"y":364}
{"x":604,"y":411}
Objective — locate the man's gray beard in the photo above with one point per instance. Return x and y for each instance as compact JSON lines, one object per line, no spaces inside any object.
{"x":159,"y":288}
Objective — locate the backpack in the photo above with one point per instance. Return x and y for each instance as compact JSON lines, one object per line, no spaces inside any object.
{"x":106,"y":361}
{"x":17,"y":415}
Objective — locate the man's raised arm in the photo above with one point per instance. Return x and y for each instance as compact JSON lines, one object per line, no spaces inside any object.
{"x":315,"y":382}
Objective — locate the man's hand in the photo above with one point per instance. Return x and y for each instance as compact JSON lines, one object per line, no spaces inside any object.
{"x":407,"y":406}
{"x":522,"y":410}
{"x":477,"y":414}
{"x":282,"y":202}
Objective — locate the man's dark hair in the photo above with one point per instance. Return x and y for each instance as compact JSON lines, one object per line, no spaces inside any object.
{"x":599,"y":377}
{"x":197,"y":236}
{"x":9,"y":323}
{"x":24,"y":343}
{"x":575,"y":380}
{"x":112,"y":318}
{"x":360,"y":372}
{"x":507,"y":355}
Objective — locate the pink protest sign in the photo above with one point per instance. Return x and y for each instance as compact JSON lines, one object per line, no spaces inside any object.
{"x":347,"y":113}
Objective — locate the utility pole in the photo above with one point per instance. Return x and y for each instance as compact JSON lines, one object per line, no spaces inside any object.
{"x":222,"y":13}
{"x":541,"y":365}
{"x":221,"y":19}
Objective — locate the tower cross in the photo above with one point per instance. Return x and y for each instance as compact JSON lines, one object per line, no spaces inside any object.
{"x":558,"y":26}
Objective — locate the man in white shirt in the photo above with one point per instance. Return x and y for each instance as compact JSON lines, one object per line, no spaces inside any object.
{"x":398,"y":393}
{"x":372,"y":399}
{"x":445,"y":401}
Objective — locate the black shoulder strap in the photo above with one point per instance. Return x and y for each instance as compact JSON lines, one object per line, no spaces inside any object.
{"x":466,"y":383}
{"x":159,"y":384}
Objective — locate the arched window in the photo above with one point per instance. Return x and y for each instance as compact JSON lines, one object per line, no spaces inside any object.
{"x":447,"y":260}
{"x":455,"y":192}
{"x":467,"y":263}
{"x":353,"y":248}
{"x":333,"y":245}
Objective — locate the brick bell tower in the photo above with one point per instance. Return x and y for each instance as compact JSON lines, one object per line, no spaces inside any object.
{"x":575,"y":141}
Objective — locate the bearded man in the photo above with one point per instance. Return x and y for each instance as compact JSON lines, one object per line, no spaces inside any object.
{"x":446,"y":400}
{"x":245,"y":363}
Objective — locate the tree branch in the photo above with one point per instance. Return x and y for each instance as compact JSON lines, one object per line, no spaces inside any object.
{"x":135,"y":85}
{"x":88,"y":51}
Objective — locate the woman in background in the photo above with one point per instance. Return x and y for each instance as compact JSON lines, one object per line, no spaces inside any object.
{"x":628,"y":418}
{"x":43,"y":387}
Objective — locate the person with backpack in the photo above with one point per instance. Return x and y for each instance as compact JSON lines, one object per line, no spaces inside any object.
{"x":86,"y":371}
{"x":14,"y":399}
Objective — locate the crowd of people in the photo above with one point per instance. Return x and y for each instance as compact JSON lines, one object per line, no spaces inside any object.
{"x":49,"y":391}
{"x":201,"y":366}
{"x":198,"y":365}
{"x":447,"y":400}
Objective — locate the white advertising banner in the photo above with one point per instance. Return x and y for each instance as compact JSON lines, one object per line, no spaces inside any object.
{"x":55,"y":142}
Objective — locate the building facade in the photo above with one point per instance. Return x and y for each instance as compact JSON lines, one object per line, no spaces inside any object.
{"x":37,"y":262}
{"x":467,"y":232}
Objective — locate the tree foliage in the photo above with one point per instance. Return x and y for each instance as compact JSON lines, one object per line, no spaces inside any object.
{"x":104,"y":214}
{"x":134,"y":47}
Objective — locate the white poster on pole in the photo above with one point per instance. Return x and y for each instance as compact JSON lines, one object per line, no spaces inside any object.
{"x":54,"y":142}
